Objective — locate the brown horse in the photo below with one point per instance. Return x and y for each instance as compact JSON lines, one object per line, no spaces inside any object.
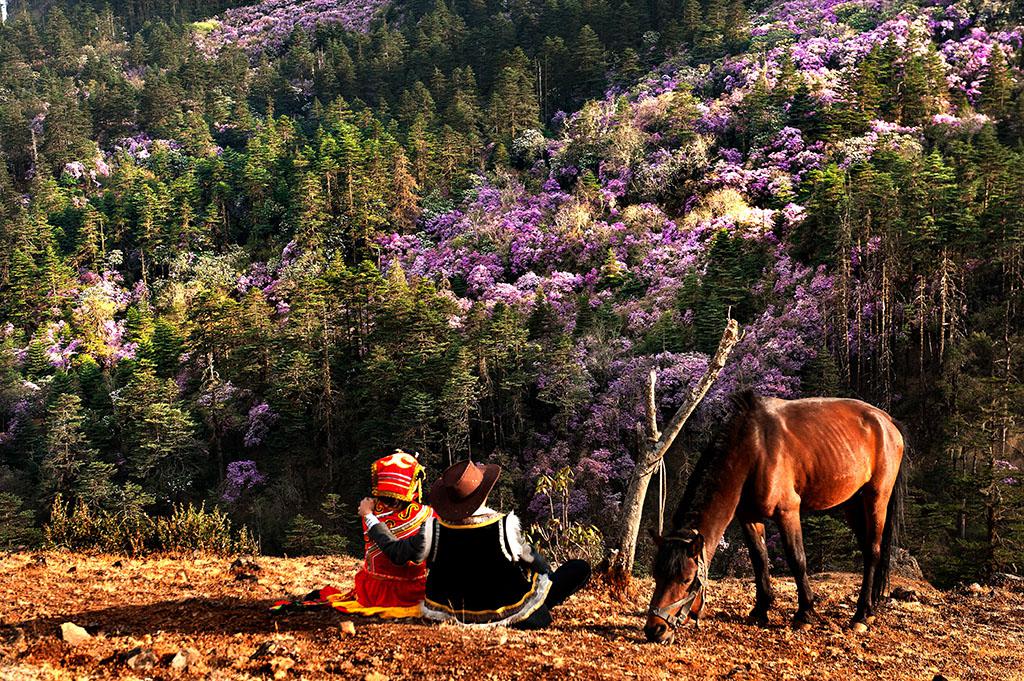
{"x":776,"y":459}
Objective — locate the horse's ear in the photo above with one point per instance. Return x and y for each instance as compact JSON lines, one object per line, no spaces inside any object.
{"x":655,"y":537}
{"x":697,"y":545}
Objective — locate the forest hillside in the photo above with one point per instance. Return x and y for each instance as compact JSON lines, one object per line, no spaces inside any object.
{"x":245,"y":250}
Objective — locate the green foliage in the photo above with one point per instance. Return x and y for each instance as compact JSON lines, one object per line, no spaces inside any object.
{"x":129,"y":530}
{"x":71,"y":467}
{"x":17,"y":524}
{"x":193,"y":528}
{"x":308,"y":538}
{"x":556,"y":536}
{"x":830,"y":544}
{"x":76,"y":527}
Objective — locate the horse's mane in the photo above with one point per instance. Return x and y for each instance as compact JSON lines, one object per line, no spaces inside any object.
{"x":699,"y":485}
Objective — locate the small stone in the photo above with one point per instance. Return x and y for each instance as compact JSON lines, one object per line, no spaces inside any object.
{"x":245,"y":570}
{"x":976,"y":588}
{"x":145,"y":658}
{"x":265,"y":649}
{"x":375,"y":676}
{"x":904,"y":595}
{"x":185,"y":659}
{"x":348,"y":628}
{"x":74,"y":634}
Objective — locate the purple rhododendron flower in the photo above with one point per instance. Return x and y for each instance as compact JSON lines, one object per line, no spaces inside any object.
{"x":241,"y":477}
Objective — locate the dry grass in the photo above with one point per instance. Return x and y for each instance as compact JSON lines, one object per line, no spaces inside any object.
{"x":166,"y":605}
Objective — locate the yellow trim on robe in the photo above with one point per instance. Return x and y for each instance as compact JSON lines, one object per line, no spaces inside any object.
{"x":352,"y":607}
{"x":467,"y":526}
{"x":498,"y":611}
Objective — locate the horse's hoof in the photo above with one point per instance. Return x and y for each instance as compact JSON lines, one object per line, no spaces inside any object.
{"x":758,"y":617}
{"x":858,"y":627}
{"x":805,"y":619}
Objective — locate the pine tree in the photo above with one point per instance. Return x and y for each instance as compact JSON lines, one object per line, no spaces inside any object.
{"x":404,"y":203}
{"x":463,"y":112}
{"x":591,"y":64}
{"x":713,"y":26}
{"x":996,"y":88}
{"x":421,"y":145}
{"x":514,"y":106}
{"x":71,"y":467}
{"x":723,"y":287}
{"x":312,"y":218}
{"x":159,"y":437}
{"x":59,"y":39}
{"x":168,"y":346}
{"x":22,"y":295}
{"x":417,"y":103}
{"x":943,"y":213}
{"x":67,"y":130}
{"x":691,"y":19}
{"x":737,"y":28}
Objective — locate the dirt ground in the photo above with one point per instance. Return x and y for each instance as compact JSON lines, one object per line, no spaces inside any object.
{"x":164,"y":618}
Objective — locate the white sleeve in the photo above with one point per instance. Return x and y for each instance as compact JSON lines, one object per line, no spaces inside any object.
{"x":514,"y":537}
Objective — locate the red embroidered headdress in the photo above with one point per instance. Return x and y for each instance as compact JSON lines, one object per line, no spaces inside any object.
{"x":398,"y":476}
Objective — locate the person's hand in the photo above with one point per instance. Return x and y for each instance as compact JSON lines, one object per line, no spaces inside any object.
{"x":366,"y":506}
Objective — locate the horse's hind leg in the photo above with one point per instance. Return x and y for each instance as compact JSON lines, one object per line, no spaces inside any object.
{"x":793,"y":541}
{"x":873,"y":510}
{"x":753,"y":535}
{"x":856,"y":516}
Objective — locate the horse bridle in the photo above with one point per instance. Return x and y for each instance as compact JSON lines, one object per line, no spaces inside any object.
{"x":685,"y":604}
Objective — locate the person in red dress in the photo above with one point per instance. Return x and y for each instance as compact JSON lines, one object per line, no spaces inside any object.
{"x":397,"y":492}
{"x":382,"y":587}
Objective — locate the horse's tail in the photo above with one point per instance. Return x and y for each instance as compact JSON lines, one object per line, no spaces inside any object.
{"x":892,"y":532}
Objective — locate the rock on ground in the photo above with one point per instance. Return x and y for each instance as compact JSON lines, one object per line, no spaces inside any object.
{"x":74,"y":634}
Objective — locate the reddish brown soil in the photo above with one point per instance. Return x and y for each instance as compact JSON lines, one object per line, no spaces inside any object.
{"x":165,"y":605}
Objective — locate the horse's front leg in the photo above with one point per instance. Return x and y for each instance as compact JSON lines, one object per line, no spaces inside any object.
{"x":793,"y":541}
{"x":753,"y":536}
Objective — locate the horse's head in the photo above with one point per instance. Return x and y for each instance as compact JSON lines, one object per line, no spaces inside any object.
{"x":680,"y":577}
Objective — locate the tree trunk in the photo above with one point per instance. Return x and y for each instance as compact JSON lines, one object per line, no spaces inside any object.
{"x":620,"y":566}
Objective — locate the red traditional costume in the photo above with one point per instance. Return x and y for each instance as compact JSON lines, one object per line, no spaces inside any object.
{"x":381,"y":587}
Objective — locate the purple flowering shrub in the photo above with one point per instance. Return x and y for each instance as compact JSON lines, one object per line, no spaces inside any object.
{"x":266,"y":26}
{"x":261,"y":418}
{"x":241,"y":477}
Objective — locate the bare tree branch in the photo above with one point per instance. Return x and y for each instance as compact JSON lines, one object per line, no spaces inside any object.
{"x":658,"y":444}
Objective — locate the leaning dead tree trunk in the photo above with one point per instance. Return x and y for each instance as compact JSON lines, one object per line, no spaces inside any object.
{"x":658,"y":443}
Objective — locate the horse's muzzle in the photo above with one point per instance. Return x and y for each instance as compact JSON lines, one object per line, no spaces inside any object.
{"x":659,"y":632}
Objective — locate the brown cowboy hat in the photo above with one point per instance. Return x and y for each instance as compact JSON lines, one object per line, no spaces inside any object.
{"x":462,"y":489}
